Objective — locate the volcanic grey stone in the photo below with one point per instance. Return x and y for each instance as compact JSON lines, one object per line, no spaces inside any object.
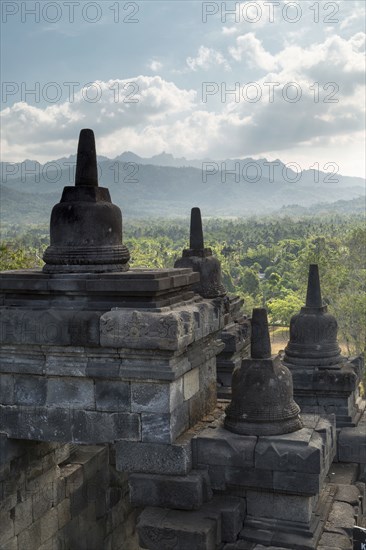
{"x":352,"y":444}
{"x":6,"y":389}
{"x":160,"y":528}
{"x":232,"y":515}
{"x":164,"y":427}
{"x":177,"y":492}
{"x":156,"y":398}
{"x":71,"y":392}
{"x":279,"y":506}
{"x":219,"y":447}
{"x":282,"y":454}
{"x":112,"y":396}
{"x":154,"y":458}
{"x":36,"y":423}
{"x":103,"y":427}
{"x":30,"y":390}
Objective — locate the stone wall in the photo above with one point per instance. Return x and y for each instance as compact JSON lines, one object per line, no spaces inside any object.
{"x":58,"y":497}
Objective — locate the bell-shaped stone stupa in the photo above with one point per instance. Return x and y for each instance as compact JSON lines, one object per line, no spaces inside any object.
{"x":201,"y":260}
{"x":262,"y":392}
{"x":86,"y":228}
{"x":313,"y":331}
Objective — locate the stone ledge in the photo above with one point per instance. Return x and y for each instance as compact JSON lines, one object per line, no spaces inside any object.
{"x":67,"y":425}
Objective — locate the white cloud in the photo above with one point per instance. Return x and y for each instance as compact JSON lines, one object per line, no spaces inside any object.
{"x":155,"y":65}
{"x":169,"y":117}
{"x":250,"y":48}
{"x":207,"y":58}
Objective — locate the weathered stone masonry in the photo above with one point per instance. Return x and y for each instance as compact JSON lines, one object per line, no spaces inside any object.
{"x":111,"y":435}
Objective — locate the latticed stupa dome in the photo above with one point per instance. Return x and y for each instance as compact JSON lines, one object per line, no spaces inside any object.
{"x":262,"y":390}
{"x":313,"y":331}
{"x":86,"y":228}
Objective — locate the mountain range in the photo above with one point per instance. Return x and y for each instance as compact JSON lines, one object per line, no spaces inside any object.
{"x":167,"y":186}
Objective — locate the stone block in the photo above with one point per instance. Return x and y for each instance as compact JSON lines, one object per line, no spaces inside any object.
{"x":71,"y":392}
{"x":104,"y":367}
{"x":73,"y":475}
{"x":31,"y":537}
{"x":36,"y":423}
{"x":90,"y":458}
{"x":112,"y":396}
{"x":22,"y":515}
{"x":79,"y":500}
{"x":160,"y":528}
{"x":232,"y":510}
{"x":177,"y":492}
{"x":154,"y":458}
{"x":30,"y":390}
{"x":297,"y":483}
{"x":22,"y":359}
{"x":11,"y":544}
{"x":290,"y":452}
{"x":191,"y":383}
{"x":248,"y":477}
{"x":219,"y":447}
{"x":126,"y":328}
{"x":9,"y":449}
{"x":164,"y":427}
{"x":66,"y":362}
{"x":283,"y":507}
{"x":156,"y":397}
{"x":63,"y":513}
{"x":6,"y":389}
{"x":352,"y":444}
{"x":7,"y":525}
{"x":49,"y":525}
{"x":102,"y":427}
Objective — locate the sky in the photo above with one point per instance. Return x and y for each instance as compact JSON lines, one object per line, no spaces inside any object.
{"x":274,"y":79}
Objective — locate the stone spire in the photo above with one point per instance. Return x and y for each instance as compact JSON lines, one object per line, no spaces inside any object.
{"x":86,"y":228}
{"x":86,"y":162}
{"x":262,"y":391}
{"x":196,"y":231}
{"x":313,"y":295}
{"x":201,"y":260}
{"x":313,"y":331}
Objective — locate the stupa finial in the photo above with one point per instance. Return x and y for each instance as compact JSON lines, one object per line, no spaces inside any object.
{"x":86,"y":162}
{"x":260,"y":344}
{"x":313,"y":296}
{"x":196,"y":232}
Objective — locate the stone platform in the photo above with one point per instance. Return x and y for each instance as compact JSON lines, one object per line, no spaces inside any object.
{"x":137,"y":288}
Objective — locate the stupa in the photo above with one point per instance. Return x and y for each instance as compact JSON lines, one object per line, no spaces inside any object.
{"x":201,"y":260}
{"x":262,"y":394}
{"x":325,"y":382}
{"x":86,"y":227}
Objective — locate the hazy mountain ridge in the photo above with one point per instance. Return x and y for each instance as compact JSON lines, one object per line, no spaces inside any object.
{"x":143,"y":190}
